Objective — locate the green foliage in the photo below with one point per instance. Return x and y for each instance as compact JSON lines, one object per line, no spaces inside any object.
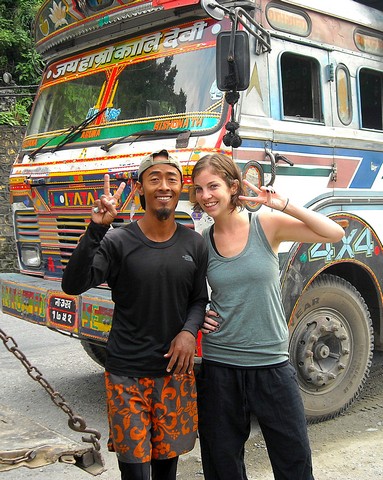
{"x":17,"y":51}
{"x":18,"y":114}
{"x":18,"y":55}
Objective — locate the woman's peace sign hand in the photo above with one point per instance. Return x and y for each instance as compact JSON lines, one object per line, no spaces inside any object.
{"x":265,"y":196}
{"x":104,"y":210}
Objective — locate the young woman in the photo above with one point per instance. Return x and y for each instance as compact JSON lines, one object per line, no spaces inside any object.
{"x":245,"y":368}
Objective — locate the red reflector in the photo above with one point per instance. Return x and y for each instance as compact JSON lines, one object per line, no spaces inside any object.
{"x":168,"y":4}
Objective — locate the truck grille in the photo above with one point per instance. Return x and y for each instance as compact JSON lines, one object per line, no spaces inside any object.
{"x":59,"y":235}
{"x":27,"y":227}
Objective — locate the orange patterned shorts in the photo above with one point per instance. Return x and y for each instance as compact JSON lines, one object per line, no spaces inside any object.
{"x":151,"y":417}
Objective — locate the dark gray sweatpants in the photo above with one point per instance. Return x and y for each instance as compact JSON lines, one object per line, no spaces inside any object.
{"x":226,"y":399}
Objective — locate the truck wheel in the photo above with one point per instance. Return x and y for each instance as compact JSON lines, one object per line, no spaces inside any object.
{"x":331,"y":346}
{"x":95,"y":352}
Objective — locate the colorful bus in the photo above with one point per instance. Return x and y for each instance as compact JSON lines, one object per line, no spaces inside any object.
{"x":124,"y":78}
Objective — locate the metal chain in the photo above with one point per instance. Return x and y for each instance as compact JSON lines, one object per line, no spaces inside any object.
{"x":27,"y":457}
{"x":75,"y":422}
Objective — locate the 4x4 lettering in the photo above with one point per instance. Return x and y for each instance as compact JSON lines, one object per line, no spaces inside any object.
{"x":352,"y":245}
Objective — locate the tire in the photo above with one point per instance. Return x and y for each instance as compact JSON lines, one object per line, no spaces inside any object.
{"x":331,"y":346}
{"x":95,"y":352}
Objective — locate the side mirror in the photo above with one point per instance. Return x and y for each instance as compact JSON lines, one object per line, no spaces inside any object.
{"x":232,"y":67}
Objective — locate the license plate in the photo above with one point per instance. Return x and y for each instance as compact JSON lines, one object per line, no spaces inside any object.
{"x":62,"y":311}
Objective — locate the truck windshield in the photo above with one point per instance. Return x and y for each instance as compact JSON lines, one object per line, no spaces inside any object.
{"x":176,"y":91}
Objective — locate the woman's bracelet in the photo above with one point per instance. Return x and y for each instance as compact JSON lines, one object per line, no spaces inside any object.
{"x":284,"y":208}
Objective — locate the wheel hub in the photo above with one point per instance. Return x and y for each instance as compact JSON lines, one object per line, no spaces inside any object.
{"x":323,"y":350}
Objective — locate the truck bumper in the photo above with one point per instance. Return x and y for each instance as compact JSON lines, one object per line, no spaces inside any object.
{"x":87,"y":316}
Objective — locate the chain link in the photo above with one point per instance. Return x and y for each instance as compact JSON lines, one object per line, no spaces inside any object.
{"x":27,"y":457}
{"x":75,"y":422}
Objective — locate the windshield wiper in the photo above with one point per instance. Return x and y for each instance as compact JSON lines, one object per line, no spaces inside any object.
{"x":72,"y":131}
{"x":139,"y":134}
{"x":38,"y":150}
{"x":77,"y":129}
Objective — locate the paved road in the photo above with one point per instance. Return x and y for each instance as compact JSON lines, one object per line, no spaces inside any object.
{"x":348,"y":448}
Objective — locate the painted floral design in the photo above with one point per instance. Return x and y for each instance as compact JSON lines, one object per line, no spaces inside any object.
{"x":58,"y":14}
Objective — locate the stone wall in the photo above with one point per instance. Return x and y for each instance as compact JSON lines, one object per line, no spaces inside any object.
{"x":10,"y":141}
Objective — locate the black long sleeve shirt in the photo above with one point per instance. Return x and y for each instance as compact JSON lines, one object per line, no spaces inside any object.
{"x":159,"y":289}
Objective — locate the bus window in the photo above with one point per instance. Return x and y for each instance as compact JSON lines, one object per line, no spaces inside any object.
{"x":343,"y":94}
{"x":370,"y":88}
{"x":301,"y":88}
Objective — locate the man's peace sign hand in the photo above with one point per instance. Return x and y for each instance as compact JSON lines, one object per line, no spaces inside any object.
{"x":104,"y":210}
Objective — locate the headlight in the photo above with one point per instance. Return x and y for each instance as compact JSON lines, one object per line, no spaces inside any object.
{"x":30,"y":256}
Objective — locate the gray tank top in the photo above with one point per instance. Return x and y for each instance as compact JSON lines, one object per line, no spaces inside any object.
{"x":246,"y":294}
